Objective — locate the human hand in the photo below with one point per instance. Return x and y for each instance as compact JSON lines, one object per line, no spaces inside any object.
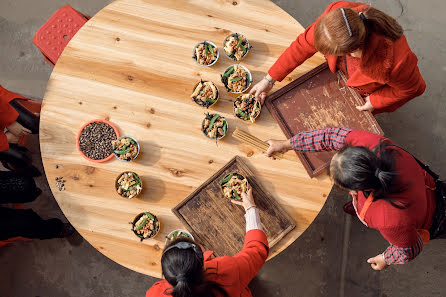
{"x":277,"y":146}
{"x":367,"y":106}
{"x":18,"y":130}
{"x":378,"y":263}
{"x":11,"y":137}
{"x":247,"y":200}
{"x":261,"y":89}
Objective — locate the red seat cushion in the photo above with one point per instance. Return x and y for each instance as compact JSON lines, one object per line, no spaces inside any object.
{"x":55,"y":34}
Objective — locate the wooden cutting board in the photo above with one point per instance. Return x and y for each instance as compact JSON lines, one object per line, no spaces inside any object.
{"x":219,"y":225}
{"x":319,"y":99}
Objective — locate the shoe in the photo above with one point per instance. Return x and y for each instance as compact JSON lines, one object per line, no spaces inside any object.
{"x":67,"y":230}
{"x":348,"y":208}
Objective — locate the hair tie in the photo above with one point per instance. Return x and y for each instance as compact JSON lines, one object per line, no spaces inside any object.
{"x":363,"y":17}
{"x":346,"y":23}
{"x":181,"y":278}
{"x":377,"y":172}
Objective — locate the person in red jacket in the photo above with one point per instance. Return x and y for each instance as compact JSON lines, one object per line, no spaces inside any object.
{"x":367,"y":45}
{"x":390,"y":190}
{"x":189,"y":272}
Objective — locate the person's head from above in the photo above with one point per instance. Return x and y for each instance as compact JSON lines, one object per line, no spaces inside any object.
{"x":344,"y":31}
{"x":183,"y":267}
{"x":357,"y":168}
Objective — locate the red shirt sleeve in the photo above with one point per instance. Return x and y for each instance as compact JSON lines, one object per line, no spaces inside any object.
{"x":401,"y":236}
{"x":405,"y":84}
{"x":252,"y":257}
{"x":8,"y":115}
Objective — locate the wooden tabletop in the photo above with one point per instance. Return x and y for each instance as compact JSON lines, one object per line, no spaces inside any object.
{"x":131,"y":64}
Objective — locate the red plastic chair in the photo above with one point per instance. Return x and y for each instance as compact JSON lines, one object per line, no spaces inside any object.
{"x":55,"y":34}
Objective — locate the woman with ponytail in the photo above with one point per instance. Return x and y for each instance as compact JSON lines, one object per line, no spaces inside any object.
{"x":367,"y":45}
{"x":390,"y":191}
{"x":190,"y":272}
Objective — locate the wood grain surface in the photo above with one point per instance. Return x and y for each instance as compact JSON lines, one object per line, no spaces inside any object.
{"x":319,"y":99}
{"x":219,"y":225}
{"x":131,"y":64}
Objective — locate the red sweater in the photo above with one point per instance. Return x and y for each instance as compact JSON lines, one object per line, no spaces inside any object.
{"x":233,"y":274}
{"x":388,"y":70}
{"x":8,"y":115}
{"x":399,"y":226}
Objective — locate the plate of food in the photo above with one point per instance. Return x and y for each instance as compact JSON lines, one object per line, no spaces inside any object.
{"x":236,"y":78}
{"x":146,"y":225}
{"x":214,"y":126}
{"x":205,"y":93}
{"x":247,"y":107}
{"x":128,"y":184}
{"x":236,"y":46}
{"x":125,"y":148}
{"x":178,"y":233}
{"x":94,"y":140}
{"x":205,"y":53}
{"x":233,"y":185}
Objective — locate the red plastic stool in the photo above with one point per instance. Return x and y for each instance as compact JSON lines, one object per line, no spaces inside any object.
{"x":15,"y":239}
{"x":55,"y":34}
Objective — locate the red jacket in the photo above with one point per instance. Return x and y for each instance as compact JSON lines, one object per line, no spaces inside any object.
{"x":233,"y":274}
{"x":388,"y":69}
{"x":8,"y":115}
{"x":399,"y":226}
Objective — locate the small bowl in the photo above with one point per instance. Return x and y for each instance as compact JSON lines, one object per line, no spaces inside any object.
{"x":247,"y":48}
{"x":116,"y":184}
{"x":108,"y":158}
{"x":243,"y":119}
{"x":222,"y":184}
{"x":178,"y":230}
{"x":218,"y":92}
{"x":137,"y":145}
{"x":249,"y":76}
{"x":227,"y":128}
{"x":215,"y":47}
{"x":153,"y":235}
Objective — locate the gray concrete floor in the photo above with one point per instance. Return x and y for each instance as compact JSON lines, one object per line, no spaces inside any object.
{"x":327,"y":260}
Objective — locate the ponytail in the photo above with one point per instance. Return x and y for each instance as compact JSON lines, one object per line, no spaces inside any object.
{"x":184,"y":270}
{"x":344,"y":30}
{"x":383,"y":24}
{"x":361,"y":169}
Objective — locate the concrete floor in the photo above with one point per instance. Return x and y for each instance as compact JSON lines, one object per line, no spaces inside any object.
{"x":327,"y":260}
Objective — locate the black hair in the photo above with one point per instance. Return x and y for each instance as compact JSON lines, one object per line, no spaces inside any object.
{"x":183,"y":269}
{"x":359,"y":168}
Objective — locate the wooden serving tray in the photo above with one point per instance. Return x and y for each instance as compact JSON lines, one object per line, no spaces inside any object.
{"x":219,"y":225}
{"x":319,"y":99}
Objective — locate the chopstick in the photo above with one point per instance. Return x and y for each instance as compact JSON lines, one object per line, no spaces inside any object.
{"x":257,"y":143}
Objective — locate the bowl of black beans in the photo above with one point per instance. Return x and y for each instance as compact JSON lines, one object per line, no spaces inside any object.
{"x":94,"y":140}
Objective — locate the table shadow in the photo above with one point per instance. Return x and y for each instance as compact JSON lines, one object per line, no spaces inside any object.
{"x":150,"y":153}
{"x":58,"y":135}
{"x":154,"y":189}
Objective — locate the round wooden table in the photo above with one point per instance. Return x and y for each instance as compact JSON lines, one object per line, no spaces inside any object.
{"x":132,"y":64}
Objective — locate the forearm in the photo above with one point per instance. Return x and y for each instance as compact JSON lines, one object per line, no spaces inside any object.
{"x":253,"y":219}
{"x":328,"y":139}
{"x":397,"y":255}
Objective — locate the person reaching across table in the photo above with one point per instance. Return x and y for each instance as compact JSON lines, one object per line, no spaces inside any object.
{"x":189,"y":272}
{"x":367,"y":45}
{"x":390,"y":190}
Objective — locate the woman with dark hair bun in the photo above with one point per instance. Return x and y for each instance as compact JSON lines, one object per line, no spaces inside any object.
{"x":390,"y":191}
{"x":190,"y":272}
{"x":367,"y":45}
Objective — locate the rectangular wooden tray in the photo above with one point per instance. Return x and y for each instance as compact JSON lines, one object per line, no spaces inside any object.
{"x":219,"y":225}
{"x":319,"y":99}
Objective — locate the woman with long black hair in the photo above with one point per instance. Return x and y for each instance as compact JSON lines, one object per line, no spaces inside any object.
{"x":367,"y":45}
{"x":390,"y":191}
{"x":190,"y":272}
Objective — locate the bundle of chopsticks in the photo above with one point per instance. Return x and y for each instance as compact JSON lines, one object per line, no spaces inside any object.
{"x":257,"y":143}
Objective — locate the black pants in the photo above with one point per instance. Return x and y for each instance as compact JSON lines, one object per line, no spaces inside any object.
{"x":17,"y":188}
